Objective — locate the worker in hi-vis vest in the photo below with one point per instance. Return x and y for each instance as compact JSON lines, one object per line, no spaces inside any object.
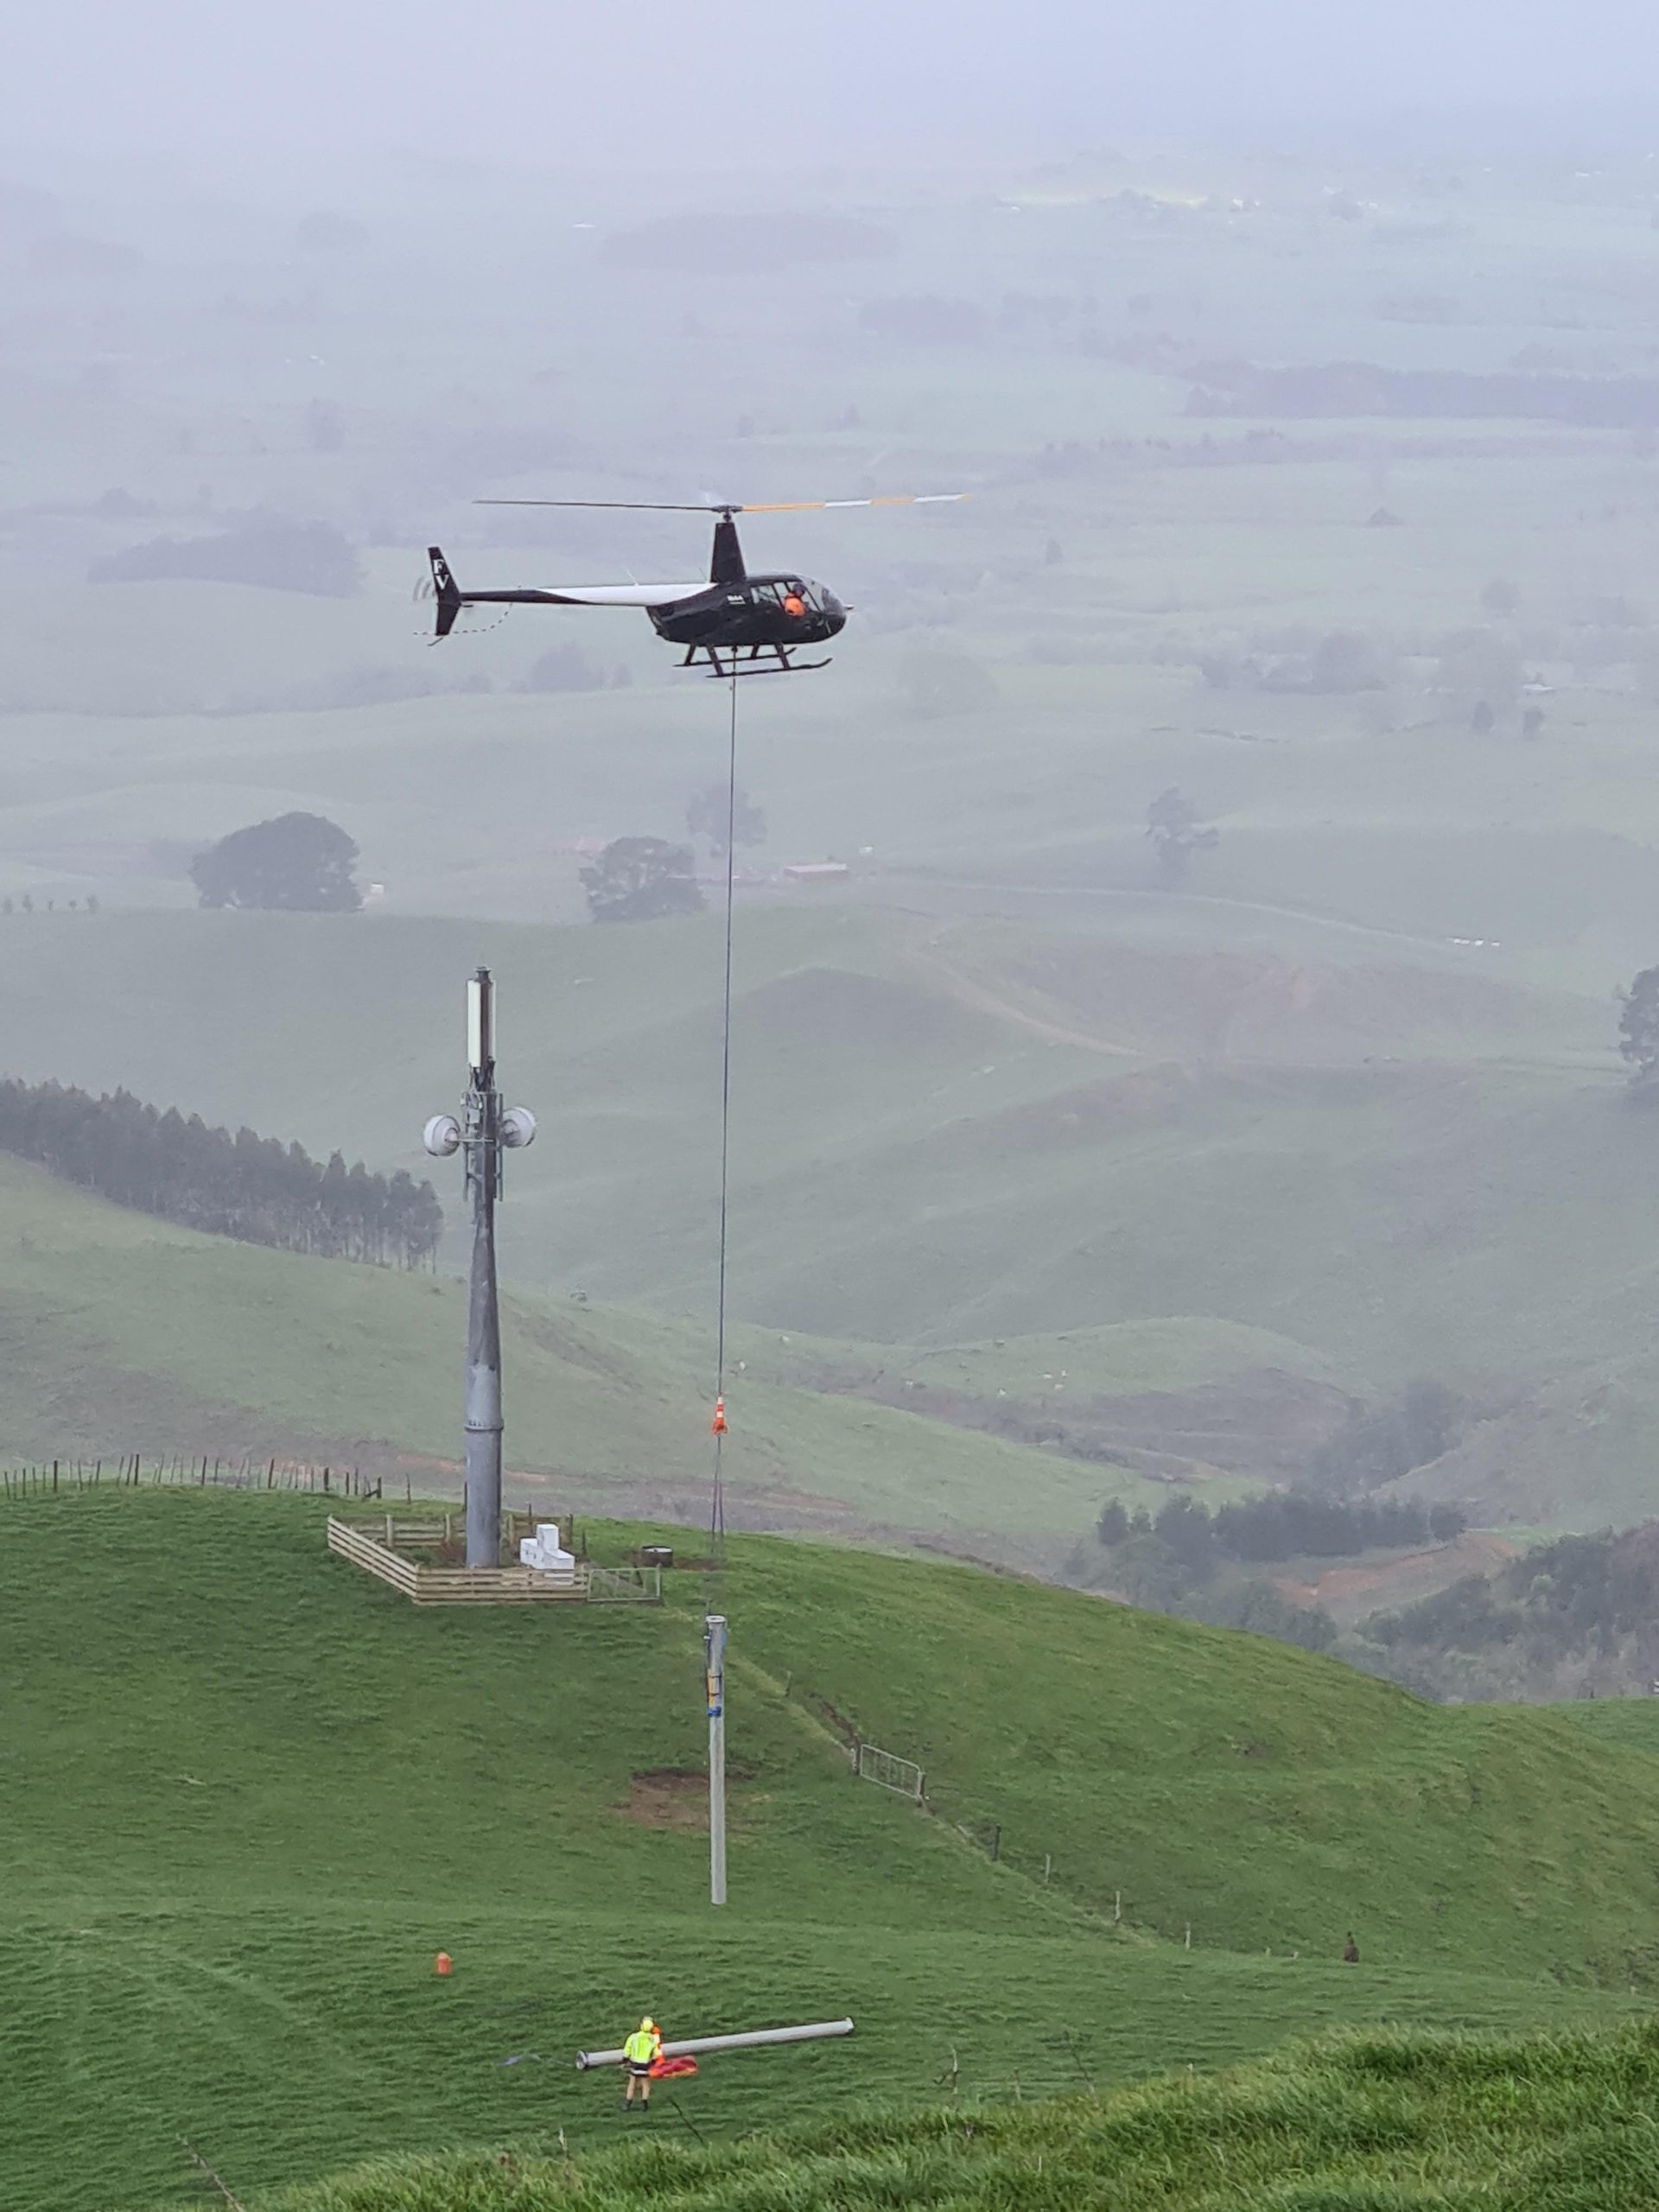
{"x":639,"y":2054}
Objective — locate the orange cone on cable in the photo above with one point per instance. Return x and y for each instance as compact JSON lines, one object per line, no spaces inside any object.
{"x":717,"y":1427}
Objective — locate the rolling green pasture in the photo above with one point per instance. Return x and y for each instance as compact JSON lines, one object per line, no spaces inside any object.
{"x":954,"y":1145}
{"x":935,"y":1136}
{"x":125,"y":1334}
{"x":248,"y":1794}
{"x":1629,"y":1722}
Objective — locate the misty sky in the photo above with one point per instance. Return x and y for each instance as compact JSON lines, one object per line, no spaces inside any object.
{"x":314,"y":82}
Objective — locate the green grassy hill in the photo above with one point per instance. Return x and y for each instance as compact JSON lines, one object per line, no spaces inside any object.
{"x":125,"y":1334}
{"x":246,"y":1793}
{"x":1632,"y":1722}
{"x":948,"y":1136}
{"x":1374,"y":2123}
{"x":918,"y":1156}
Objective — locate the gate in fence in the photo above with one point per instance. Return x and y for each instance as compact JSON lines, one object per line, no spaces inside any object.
{"x":889,"y":1771}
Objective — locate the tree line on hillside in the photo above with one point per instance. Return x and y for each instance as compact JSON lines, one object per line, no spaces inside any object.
{"x":1284,"y":1525}
{"x":1572,"y":1617}
{"x":1575,"y":1618}
{"x":253,"y":1188}
{"x":1207,"y":1564}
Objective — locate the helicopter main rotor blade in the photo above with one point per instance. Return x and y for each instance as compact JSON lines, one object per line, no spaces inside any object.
{"x":621,"y":506}
{"x":886,"y":500}
{"x":736,"y":506}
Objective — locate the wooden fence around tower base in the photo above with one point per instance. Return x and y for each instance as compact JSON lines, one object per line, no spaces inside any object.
{"x":493,"y":1585}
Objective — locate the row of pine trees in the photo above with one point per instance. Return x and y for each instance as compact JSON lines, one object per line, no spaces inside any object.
{"x":248,"y":1187}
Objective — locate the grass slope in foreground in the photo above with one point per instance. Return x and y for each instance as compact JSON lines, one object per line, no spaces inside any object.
{"x":245,"y":1793}
{"x":1371,"y":2123}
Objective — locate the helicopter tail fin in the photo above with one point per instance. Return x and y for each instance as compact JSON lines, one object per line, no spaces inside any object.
{"x":446,"y":591}
{"x":726,"y":565}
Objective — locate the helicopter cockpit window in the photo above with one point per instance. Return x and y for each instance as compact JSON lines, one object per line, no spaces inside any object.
{"x":781,"y":591}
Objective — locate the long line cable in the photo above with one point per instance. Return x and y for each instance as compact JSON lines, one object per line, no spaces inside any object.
{"x":717,"y":1505}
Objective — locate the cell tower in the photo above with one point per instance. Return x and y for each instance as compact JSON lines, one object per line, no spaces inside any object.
{"x":481,"y":1134}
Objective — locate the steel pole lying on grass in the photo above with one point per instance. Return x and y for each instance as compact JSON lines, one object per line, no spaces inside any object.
{"x":690,"y":2049}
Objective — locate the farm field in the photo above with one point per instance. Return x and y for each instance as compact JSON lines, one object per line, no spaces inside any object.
{"x":242,"y":1823}
{"x":1133,"y":597}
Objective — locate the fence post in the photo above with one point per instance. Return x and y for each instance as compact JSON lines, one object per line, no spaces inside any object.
{"x":1117,"y":1904}
{"x":997,"y":1841}
{"x":1048,"y":1868}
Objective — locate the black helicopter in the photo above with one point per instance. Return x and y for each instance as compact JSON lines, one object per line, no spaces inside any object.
{"x":738,"y":624}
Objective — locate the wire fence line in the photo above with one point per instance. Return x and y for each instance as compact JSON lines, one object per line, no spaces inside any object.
{"x":906,"y":1779}
{"x":134,"y":1471}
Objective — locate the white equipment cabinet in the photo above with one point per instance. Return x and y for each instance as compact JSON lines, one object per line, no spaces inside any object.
{"x":544,"y":1554}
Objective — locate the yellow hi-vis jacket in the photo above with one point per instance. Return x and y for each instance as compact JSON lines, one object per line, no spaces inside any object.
{"x":641,"y":2048}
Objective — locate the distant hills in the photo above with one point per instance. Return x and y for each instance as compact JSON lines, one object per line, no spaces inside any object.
{"x":953,"y":1136}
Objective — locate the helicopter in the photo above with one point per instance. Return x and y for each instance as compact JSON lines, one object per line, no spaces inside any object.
{"x":737,"y":624}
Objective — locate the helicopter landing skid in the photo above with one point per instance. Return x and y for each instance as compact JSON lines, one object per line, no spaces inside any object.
{"x":720,"y":668}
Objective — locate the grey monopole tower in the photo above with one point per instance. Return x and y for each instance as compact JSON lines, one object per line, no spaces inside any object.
{"x":481,"y":1135}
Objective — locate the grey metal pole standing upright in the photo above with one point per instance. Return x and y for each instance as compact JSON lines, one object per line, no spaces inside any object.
{"x":482,"y":1135}
{"x":483,"y":1155}
{"x":714,"y":1645}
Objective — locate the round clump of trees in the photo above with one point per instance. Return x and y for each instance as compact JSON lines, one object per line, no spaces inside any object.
{"x":297,"y":864}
